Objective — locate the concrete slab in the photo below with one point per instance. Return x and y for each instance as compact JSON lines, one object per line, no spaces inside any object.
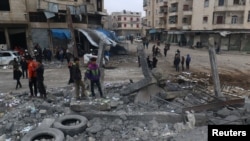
{"x":161,"y":117}
{"x":90,"y":105}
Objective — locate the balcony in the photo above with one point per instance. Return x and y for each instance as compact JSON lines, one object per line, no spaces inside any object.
{"x":230,"y":8}
{"x":228,"y":26}
{"x":186,"y":27}
{"x":163,"y":4}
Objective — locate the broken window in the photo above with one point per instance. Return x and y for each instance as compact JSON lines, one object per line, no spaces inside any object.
{"x":4,"y":5}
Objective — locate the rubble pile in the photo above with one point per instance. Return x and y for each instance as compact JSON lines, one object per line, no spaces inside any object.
{"x":20,"y":115}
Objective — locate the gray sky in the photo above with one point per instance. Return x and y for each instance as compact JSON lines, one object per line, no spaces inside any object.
{"x":120,"y":5}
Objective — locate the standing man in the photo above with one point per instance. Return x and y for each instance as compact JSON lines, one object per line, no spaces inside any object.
{"x":40,"y":78}
{"x":15,"y":66}
{"x":32,"y":75}
{"x":77,"y":77}
{"x":24,"y":67}
{"x":93,"y":74}
{"x":188,"y":60}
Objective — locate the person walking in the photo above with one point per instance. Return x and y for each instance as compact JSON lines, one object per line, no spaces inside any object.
{"x":17,"y":76}
{"x":24,"y":67}
{"x":40,"y":79}
{"x":93,"y":74}
{"x":166,"y":48}
{"x":77,"y":77}
{"x":188,"y":60}
{"x":32,"y":75}
{"x":182,"y":62}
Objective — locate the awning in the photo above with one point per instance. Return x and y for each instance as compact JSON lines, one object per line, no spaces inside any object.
{"x":175,"y":32}
{"x":93,"y":41}
{"x":61,"y":33}
{"x":151,"y":31}
{"x":95,"y":36}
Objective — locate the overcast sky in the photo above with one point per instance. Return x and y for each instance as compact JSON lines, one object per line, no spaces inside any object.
{"x":120,"y":5}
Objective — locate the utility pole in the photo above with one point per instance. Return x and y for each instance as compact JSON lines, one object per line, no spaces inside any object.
{"x":213,"y":62}
{"x":70,"y":26}
{"x":28,"y":31}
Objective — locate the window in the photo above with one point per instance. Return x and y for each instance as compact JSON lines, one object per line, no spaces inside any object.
{"x":205,"y":19}
{"x":184,"y":20}
{"x":131,"y":19}
{"x":131,"y":25}
{"x":248,"y":17}
{"x":119,"y":19}
{"x":125,"y":18}
{"x":5,"y":5}
{"x":119,"y":25}
{"x":221,"y":2}
{"x":206,"y":3}
{"x":137,"y":25}
{"x":87,"y":0}
{"x":125,"y":25}
{"x":137,"y":19}
{"x":185,"y":7}
{"x":236,"y":1}
{"x":219,"y":20}
{"x":234,"y":19}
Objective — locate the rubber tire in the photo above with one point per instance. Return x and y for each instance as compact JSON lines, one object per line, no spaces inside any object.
{"x":71,"y":130}
{"x":57,"y":134}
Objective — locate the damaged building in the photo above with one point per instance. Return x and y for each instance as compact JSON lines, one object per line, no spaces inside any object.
{"x":26,"y":23}
{"x":190,"y":23}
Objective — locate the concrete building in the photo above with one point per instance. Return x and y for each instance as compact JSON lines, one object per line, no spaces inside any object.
{"x":126,"y":23}
{"x":192,"y":22}
{"x":27,"y":22}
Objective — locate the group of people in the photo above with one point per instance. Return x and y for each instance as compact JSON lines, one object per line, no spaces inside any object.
{"x":92,"y":73}
{"x":178,"y":59}
{"x":34,"y":71}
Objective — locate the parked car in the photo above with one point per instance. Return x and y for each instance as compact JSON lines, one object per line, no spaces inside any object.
{"x":7,"y":57}
{"x":138,"y":40}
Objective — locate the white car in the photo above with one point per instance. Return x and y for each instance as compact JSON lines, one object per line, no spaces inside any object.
{"x":138,"y":40}
{"x":87,"y":57}
{"x":7,"y":57}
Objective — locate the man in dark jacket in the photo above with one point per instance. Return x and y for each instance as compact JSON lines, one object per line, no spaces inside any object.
{"x":93,"y":74}
{"x":24,"y":67}
{"x":77,"y":77}
{"x":40,"y":78}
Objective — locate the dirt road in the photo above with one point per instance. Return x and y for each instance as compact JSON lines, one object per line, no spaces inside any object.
{"x":234,"y":68}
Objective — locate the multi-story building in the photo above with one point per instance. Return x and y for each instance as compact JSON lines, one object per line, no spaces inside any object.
{"x":192,"y":22}
{"x":26,"y":22}
{"x":126,"y":23}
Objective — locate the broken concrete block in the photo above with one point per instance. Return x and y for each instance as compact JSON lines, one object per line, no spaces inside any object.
{"x":46,"y":123}
{"x":84,"y":106}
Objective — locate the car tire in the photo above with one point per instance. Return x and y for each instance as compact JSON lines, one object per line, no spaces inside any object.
{"x":71,"y":129}
{"x":41,"y":132}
